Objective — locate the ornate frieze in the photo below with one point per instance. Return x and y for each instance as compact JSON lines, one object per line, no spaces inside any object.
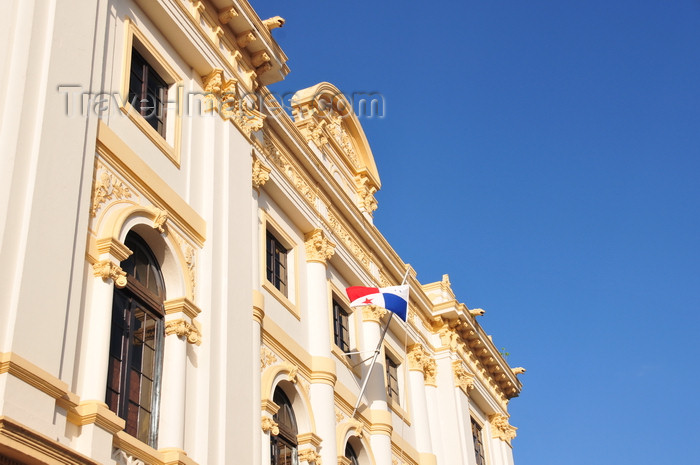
{"x":350,"y":242}
{"x":106,"y":269}
{"x":267,"y":358}
{"x":318,"y":247}
{"x":500,"y":428}
{"x":192,"y":332}
{"x":261,"y":172}
{"x":373,"y":313}
{"x":463,"y":379}
{"x":107,"y":188}
{"x":312,"y":130}
{"x":342,"y":138}
{"x":269,"y":426}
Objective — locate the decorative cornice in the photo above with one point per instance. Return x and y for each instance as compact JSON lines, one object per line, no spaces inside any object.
{"x":106,"y":269}
{"x":373,"y":313}
{"x":181,"y":328}
{"x":500,"y":428}
{"x":227,"y":14}
{"x":319,"y":248}
{"x":113,"y":247}
{"x":36,"y":377}
{"x":269,"y":426}
{"x":463,"y":379}
{"x":261,"y":172}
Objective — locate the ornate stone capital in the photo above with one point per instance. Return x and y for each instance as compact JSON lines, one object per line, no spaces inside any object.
{"x":416,"y":357}
{"x":500,"y":428}
{"x":430,"y":371}
{"x":373,"y":313}
{"x":181,"y":328}
{"x":318,"y":247}
{"x":261,"y":173}
{"x":463,"y":379}
{"x":269,"y":426}
{"x":310,"y":456}
{"x":106,"y":269}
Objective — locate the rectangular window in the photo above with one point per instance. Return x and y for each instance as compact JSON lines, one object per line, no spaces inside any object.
{"x":478,"y":443}
{"x":341,"y":331}
{"x":392,"y":379}
{"x":276,"y":263}
{"x":148,"y":92}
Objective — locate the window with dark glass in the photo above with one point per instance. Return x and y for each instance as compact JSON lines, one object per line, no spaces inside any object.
{"x":341,"y":333}
{"x":136,"y":343}
{"x":350,"y":454}
{"x":478,"y":443}
{"x":392,"y":379}
{"x":276,"y":263}
{"x":283,"y":446}
{"x":148,"y":92}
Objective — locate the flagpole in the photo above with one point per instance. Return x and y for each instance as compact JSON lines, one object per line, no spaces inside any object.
{"x":371,"y":366}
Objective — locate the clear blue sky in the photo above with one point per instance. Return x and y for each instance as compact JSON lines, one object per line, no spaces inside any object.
{"x":545,"y":154}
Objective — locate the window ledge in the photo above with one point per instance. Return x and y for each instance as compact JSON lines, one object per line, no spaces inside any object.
{"x":281,"y":298}
{"x":159,"y":141}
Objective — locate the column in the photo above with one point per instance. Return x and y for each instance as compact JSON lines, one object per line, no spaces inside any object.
{"x":380,"y":417}
{"x":180,"y":329}
{"x":432,"y":401}
{"x":318,"y":251}
{"x":417,"y":360}
{"x":502,"y":433}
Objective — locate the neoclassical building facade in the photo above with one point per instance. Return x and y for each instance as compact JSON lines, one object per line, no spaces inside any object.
{"x":176,"y":245}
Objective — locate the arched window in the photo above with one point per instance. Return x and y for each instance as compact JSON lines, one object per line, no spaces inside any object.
{"x":136,"y":343}
{"x":284,"y":445}
{"x":350,"y":454}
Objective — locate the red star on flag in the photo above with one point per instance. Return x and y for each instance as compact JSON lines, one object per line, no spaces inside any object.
{"x":367,"y":301}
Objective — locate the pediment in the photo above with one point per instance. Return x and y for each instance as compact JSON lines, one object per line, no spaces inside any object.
{"x":326,"y":118}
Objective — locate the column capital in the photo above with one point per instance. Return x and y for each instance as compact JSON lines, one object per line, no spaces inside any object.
{"x":192,"y":332}
{"x":318,"y":247}
{"x":373,"y":313}
{"x":107,"y":269}
{"x":500,"y":428}
{"x":463,"y":379}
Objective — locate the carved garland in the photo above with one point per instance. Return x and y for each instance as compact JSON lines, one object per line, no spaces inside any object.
{"x":107,"y":187}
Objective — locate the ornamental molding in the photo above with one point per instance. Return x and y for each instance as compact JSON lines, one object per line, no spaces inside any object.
{"x":430,"y":372}
{"x":373,"y":313}
{"x":292,"y":174}
{"x":190,"y":264}
{"x":261,"y":172}
{"x":223,"y":96}
{"x":161,"y":216}
{"x":342,"y":138}
{"x":318,"y":247}
{"x":106,"y":269}
{"x":366,"y":201}
{"x":192,"y":332}
{"x":310,"y":456}
{"x":463,"y":379}
{"x":500,"y":428}
{"x":416,"y":357}
{"x":107,"y":187}
{"x":122,"y":458}
{"x":269,"y":426}
{"x":267,"y":358}
{"x":313,"y":131}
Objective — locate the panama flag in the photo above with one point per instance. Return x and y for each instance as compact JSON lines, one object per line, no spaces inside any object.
{"x":394,"y":298}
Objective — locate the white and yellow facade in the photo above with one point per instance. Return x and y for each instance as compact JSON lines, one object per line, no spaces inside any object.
{"x":81,"y":168}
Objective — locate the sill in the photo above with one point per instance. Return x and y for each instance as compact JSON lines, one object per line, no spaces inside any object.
{"x":158,"y":140}
{"x":399,"y":411}
{"x":347,"y":360}
{"x":281,"y":298}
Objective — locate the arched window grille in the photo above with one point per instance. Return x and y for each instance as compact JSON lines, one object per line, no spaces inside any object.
{"x":284,"y":445}
{"x":350,"y":454}
{"x":136,"y":343}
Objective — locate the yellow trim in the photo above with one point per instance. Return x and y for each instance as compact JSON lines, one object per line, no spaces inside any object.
{"x":169,"y":75}
{"x":398,"y":407}
{"x":258,"y":306}
{"x":401,"y":448}
{"x":92,"y":411}
{"x":147,"y":454}
{"x":36,"y":377}
{"x":267,"y":386}
{"x":136,"y":171}
{"x":293,"y":250}
{"x":28,"y":446}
